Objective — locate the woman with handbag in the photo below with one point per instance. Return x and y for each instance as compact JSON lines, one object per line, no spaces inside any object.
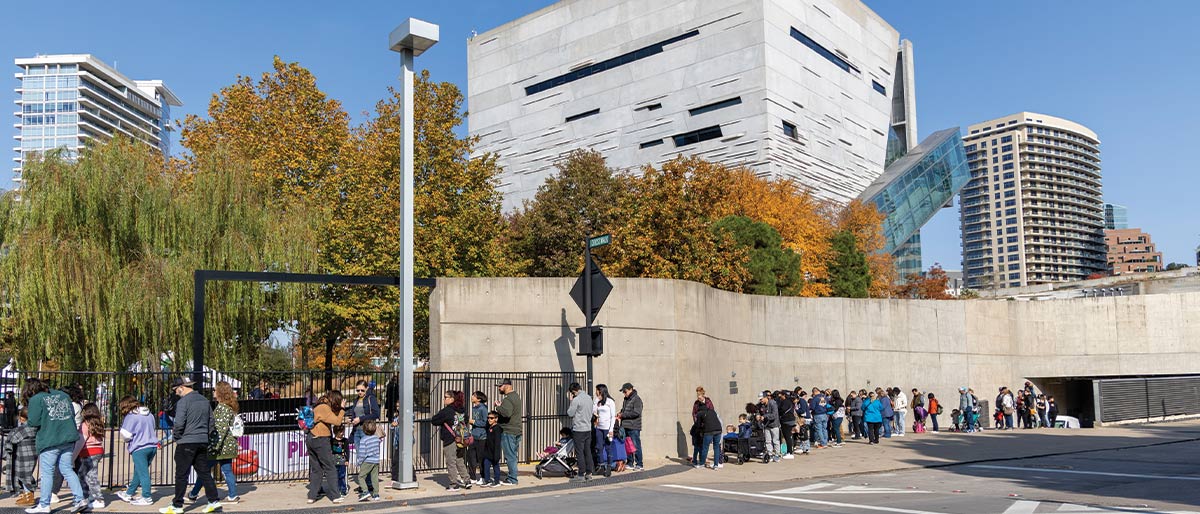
{"x":322,"y":472}
{"x":451,"y":423}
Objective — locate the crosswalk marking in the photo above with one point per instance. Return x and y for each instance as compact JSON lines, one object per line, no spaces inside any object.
{"x":1022,"y":507}
{"x":849,"y":489}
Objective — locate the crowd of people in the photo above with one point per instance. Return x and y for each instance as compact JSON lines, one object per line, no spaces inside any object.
{"x":785,"y":423}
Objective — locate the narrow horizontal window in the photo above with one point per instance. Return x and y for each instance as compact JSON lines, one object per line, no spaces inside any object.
{"x":696,"y":136}
{"x":714,"y":106}
{"x":648,"y":144}
{"x":824,"y":52}
{"x":651,"y":107}
{"x":879,"y":87}
{"x":574,"y":117}
{"x":608,"y":64}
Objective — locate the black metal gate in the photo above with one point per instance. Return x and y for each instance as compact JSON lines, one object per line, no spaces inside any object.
{"x":273,"y":446}
{"x":1124,"y":399}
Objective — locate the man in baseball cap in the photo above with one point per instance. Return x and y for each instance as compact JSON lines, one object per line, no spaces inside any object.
{"x":631,"y":420}
{"x":193,"y":419}
{"x":509,"y":410}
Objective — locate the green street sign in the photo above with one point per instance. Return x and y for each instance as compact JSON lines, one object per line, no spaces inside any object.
{"x":599,"y":240}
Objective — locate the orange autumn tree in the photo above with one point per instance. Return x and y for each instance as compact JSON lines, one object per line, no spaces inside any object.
{"x":792,"y":211}
{"x":930,"y":286}
{"x":866,"y":223}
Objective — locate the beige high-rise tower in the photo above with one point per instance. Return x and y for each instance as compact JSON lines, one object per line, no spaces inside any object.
{"x":1032,"y":212}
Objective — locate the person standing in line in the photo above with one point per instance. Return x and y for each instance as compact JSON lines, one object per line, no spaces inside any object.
{"x":322,"y":471}
{"x":605,"y":411}
{"x":1008,"y":405}
{"x":708,"y":425}
{"x":934,"y":410}
{"x":22,"y":447}
{"x":193,"y":422}
{"x":1041,"y":411}
{"x":223,"y":446}
{"x":260,"y":391}
{"x":631,"y":421}
{"x":770,"y":422}
{"x":491,"y":449}
{"x":1051,"y":411}
{"x":91,"y":433}
{"x":50,"y":413}
{"x":364,"y":409}
{"x":889,"y":414}
{"x":900,"y":408}
{"x":447,"y":422}
{"x":137,"y":429}
{"x":873,"y":415}
{"x":854,"y":408}
{"x":510,"y":419}
{"x":367,"y":452}
{"x":580,"y":412}
{"x":787,"y":423}
{"x":478,"y":420}
{"x":838,"y":408}
{"x":964,"y":408}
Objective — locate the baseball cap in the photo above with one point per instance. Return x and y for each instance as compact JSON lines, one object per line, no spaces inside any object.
{"x":627,"y":386}
{"x":505,"y":382}
{"x":181,"y":381}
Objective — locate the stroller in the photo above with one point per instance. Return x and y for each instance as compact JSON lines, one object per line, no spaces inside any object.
{"x":560,"y":462}
{"x":757,"y":447}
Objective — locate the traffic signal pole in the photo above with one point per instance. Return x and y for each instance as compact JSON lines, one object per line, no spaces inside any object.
{"x":587,"y":304}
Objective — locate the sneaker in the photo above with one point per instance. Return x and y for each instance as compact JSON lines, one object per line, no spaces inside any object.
{"x":193,"y":497}
{"x":96,"y":504}
{"x":38,"y":509}
{"x":215,"y":506}
{"x":789,"y":457}
{"x":310,"y":501}
{"x":232,"y":499}
{"x":124,"y":496}
{"x":54,"y":498}
{"x":339,"y":499}
{"x":171,"y":509}
{"x":376,"y":498}
{"x":577,"y":479}
{"x":141,"y":501}
{"x":696,"y":466}
{"x":81,"y":506}
{"x":453,"y":487}
{"x":719,"y":466}
{"x":364,"y":497}
{"x":466,"y":485}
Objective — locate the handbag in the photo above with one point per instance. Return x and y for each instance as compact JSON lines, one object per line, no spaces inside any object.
{"x":630,"y":448}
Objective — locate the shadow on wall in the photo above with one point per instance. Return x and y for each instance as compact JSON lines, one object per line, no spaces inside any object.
{"x":1167,"y":450}
{"x":564,"y":346}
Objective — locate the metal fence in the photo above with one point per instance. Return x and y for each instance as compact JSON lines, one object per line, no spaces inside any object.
{"x":273,"y":449}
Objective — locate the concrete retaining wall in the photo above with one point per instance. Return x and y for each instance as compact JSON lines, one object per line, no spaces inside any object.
{"x":668,"y":336}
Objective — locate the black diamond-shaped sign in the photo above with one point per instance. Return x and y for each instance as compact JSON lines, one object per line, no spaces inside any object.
{"x":601,"y":287}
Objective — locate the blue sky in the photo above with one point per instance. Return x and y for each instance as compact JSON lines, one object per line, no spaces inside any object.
{"x":1120,"y":68}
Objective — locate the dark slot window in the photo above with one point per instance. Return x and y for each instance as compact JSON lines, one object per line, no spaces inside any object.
{"x":714,"y":106}
{"x":651,"y":107}
{"x":879,"y":87}
{"x":696,"y":136}
{"x":789,"y":130}
{"x":582,"y":115}
{"x":608,"y":64}
{"x":648,"y":144}
{"x":824,"y":52}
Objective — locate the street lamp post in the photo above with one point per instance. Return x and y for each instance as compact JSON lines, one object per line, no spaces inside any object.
{"x":410,"y":39}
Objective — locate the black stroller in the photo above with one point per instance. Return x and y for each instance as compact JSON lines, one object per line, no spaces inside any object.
{"x":559,"y":463}
{"x":745,"y":452}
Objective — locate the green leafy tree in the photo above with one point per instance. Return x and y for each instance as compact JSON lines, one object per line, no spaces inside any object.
{"x":774,"y":270}
{"x":849,"y":273}
{"x":580,"y":201}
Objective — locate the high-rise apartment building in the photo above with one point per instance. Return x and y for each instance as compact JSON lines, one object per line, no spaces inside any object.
{"x":817,"y":91}
{"x":66,"y":100}
{"x":1032,"y":212}
{"x":1131,"y":251}
{"x":1116,"y":217}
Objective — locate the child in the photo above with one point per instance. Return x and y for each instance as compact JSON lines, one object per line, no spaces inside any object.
{"x":137,"y":429}
{"x":91,"y":452}
{"x":367,"y":450}
{"x":957,"y":418}
{"x":491,"y":451}
{"x":341,"y":452}
{"x":23,"y":456}
{"x":802,"y":440}
{"x":744,"y":431}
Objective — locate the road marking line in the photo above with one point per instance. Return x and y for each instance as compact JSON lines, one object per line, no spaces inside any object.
{"x":1071,"y":507}
{"x":849,"y":489}
{"x":1100,"y":473}
{"x":803,"y":489}
{"x":1022,"y":507}
{"x":800,"y":500}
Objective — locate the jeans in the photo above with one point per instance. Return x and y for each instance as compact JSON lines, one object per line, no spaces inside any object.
{"x":900,"y":419}
{"x":1008,"y":421}
{"x":491,"y":470}
{"x":821,"y":423}
{"x":58,"y":458}
{"x":873,"y":431}
{"x":368,"y":478}
{"x":226,"y":466}
{"x":322,"y":472}
{"x":713,"y":440}
{"x":583,"y":453}
{"x":141,"y":471}
{"x":636,"y":435}
{"x":341,"y":474}
{"x":772,"y":442}
{"x":887,"y":426}
{"x":837,"y":429}
{"x":933,"y":417}
{"x":189,"y":457}
{"x":600,"y":440}
{"x":1045,"y":422}
{"x":509,"y":443}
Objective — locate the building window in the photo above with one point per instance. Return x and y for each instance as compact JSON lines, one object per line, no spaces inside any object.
{"x":1012,"y":239}
{"x":651,"y":107}
{"x":1011,"y":221}
{"x":789,"y":130}
{"x":1012,"y":248}
{"x":714,"y":106}
{"x":608,"y":64}
{"x":1007,"y":157}
{"x":696,"y":136}
{"x":1006,"y":148}
{"x":1006,"y":139}
{"x":1014,"y":267}
{"x":648,"y":144}
{"x":824,"y":52}
{"x":582,"y":115}
{"x":1010,"y":230}
{"x":1009,"y":174}
{"x":1008,"y":166}
{"x":1010,"y":212}
{"x":879,"y":87}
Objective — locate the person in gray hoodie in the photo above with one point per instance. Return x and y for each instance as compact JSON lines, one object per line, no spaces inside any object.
{"x":580,"y":412}
{"x":769,"y":418}
{"x":193,"y":420}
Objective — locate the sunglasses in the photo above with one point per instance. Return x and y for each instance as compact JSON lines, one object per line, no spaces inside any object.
{"x":360,"y":390}
{"x":492,"y":417}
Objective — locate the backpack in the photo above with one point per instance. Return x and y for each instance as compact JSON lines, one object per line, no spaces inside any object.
{"x":237,"y":428}
{"x":939,"y":410}
{"x":304,"y":418}
{"x":461,"y":431}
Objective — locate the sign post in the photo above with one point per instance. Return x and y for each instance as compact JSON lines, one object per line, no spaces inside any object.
{"x":589,"y":293}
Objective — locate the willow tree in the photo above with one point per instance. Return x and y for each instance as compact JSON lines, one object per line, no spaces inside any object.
{"x":98,"y":255}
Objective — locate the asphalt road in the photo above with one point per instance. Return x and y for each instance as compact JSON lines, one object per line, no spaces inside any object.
{"x":1164,"y":478}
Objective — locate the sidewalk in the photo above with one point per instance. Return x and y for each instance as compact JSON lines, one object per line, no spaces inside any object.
{"x":898,"y":453}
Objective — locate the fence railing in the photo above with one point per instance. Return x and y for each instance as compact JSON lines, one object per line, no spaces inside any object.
{"x":272,"y":448}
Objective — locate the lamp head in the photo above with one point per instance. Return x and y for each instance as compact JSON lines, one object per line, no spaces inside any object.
{"x":413,"y":34}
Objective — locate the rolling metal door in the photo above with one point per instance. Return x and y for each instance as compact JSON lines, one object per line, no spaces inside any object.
{"x":1121,"y":399}
{"x":1147,"y":398}
{"x":1173,"y":396}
